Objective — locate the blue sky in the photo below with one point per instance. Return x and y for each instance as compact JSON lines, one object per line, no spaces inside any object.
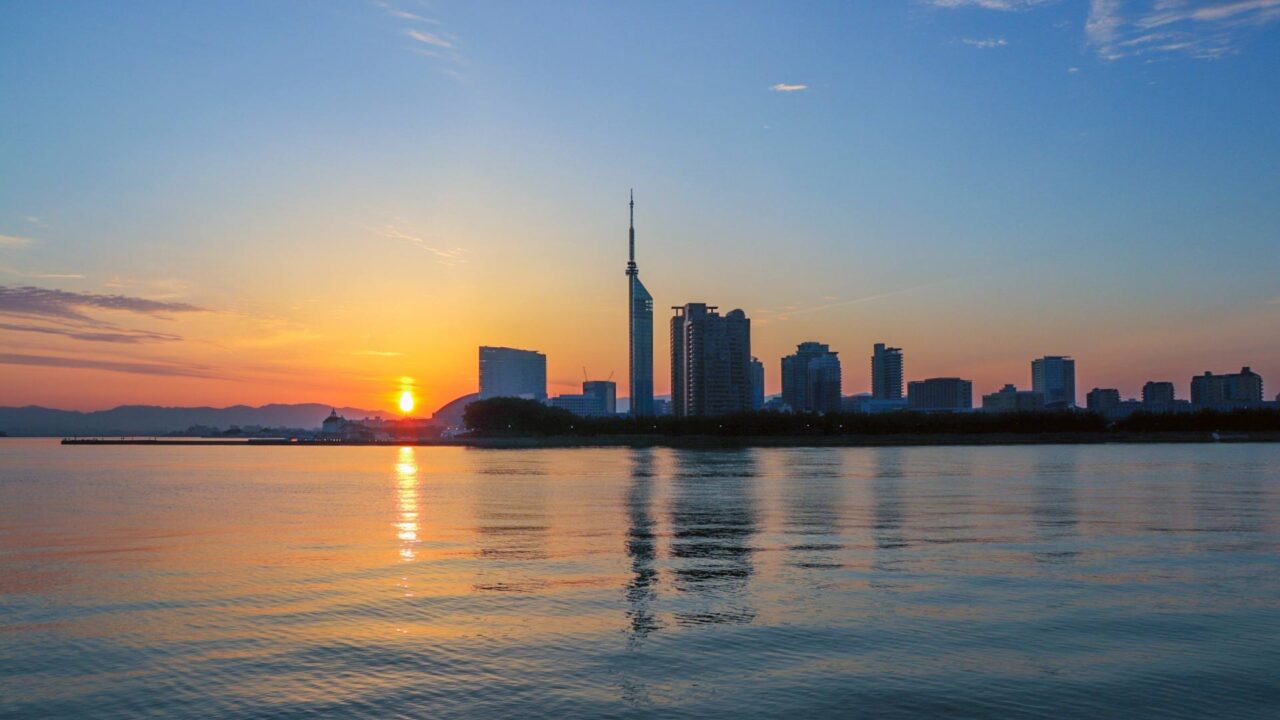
{"x":366,"y":190}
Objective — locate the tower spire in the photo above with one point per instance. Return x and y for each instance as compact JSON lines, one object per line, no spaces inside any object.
{"x":631,"y":259}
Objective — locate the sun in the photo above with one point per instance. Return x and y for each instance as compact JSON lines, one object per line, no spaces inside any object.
{"x":406,"y":402}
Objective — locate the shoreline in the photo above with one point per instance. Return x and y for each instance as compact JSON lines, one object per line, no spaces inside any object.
{"x":723,"y":441}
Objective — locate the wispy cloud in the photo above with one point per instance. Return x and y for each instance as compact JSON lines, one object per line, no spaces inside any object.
{"x":41,"y":275}
{"x":428,"y":38}
{"x":437,"y":44}
{"x":161,"y":288}
{"x":378,"y":353}
{"x":787,"y":87}
{"x":1005,"y":5}
{"x":1117,"y":29}
{"x":14,"y":241}
{"x":446,"y":256}
{"x":47,"y":302}
{"x":66,"y":314}
{"x":1204,"y":29}
{"x":396,"y":12}
{"x":985,"y":43}
{"x":169,"y":369}
{"x":122,"y":336}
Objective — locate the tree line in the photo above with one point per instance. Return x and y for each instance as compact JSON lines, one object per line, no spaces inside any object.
{"x":519,"y":417}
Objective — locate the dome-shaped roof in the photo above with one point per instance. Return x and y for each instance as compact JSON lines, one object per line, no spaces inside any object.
{"x":450,"y":413}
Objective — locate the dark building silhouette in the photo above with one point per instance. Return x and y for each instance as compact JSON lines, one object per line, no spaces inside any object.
{"x":1011,"y":399}
{"x":1158,"y":394}
{"x":886,"y":372}
{"x":811,"y":379}
{"x":507,"y":372}
{"x":757,"y":384}
{"x":710,"y":361}
{"x":940,"y":394}
{"x":1054,"y":376}
{"x":1233,"y":390}
{"x":1103,"y":400}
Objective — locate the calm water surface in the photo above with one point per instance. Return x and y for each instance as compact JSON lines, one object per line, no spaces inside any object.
{"x":444,"y":582}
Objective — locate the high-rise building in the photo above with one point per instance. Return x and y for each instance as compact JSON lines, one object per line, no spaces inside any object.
{"x":757,"y":384}
{"x":1158,"y":394}
{"x":940,"y":394}
{"x":1209,"y":390}
{"x":598,"y":399}
{"x":710,"y":361}
{"x":886,"y":372}
{"x":1055,"y":377}
{"x":823,"y":387}
{"x":1011,"y":399}
{"x":811,"y":379}
{"x":1102,"y":400}
{"x":508,"y":372}
{"x":639,"y":331}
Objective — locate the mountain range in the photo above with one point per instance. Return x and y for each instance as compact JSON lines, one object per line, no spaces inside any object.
{"x":36,"y":421}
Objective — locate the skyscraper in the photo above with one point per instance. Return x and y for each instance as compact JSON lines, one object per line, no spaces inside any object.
{"x":811,"y":379}
{"x":508,"y":372}
{"x":886,"y":372}
{"x":639,"y":332}
{"x":710,"y":361}
{"x":1055,"y":377}
{"x":757,"y":384}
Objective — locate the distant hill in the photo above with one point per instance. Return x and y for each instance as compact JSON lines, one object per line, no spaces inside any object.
{"x":35,"y":421}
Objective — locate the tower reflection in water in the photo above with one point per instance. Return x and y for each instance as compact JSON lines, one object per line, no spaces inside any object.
{"x":641,"y":590}
{"x":407,"y":503}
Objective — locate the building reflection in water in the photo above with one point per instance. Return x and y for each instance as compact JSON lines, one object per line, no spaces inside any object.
{"x":713,"y":523}
{"x":1054,"y":513}
{"x":889,"y":513}
{"x":407,"y":503}
{"x":642,"y":550}
{"x":814,"y":489}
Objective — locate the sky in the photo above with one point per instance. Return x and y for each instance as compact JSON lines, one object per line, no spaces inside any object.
{"x":247,"y":202}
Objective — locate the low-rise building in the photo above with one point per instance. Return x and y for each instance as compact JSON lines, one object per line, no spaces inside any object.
{"x":940,"y":394}
{"x":1209,"y":391}
{"x":1011,"y":399}
{"x":598,"y":399}
{"x":868,"y":403}
{"x":1102,"y":400}
{"x":1158,"y":395}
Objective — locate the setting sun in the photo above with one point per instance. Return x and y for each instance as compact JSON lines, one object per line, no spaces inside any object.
{"x":406,"y":402}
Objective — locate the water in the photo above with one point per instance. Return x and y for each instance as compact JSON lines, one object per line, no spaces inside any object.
{"x":382,"y":582}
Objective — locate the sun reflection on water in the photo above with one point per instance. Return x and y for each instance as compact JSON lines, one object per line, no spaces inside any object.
{"x":407,"y":503}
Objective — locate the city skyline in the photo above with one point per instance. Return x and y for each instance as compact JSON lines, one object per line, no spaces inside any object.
{"x":336,"y":203}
